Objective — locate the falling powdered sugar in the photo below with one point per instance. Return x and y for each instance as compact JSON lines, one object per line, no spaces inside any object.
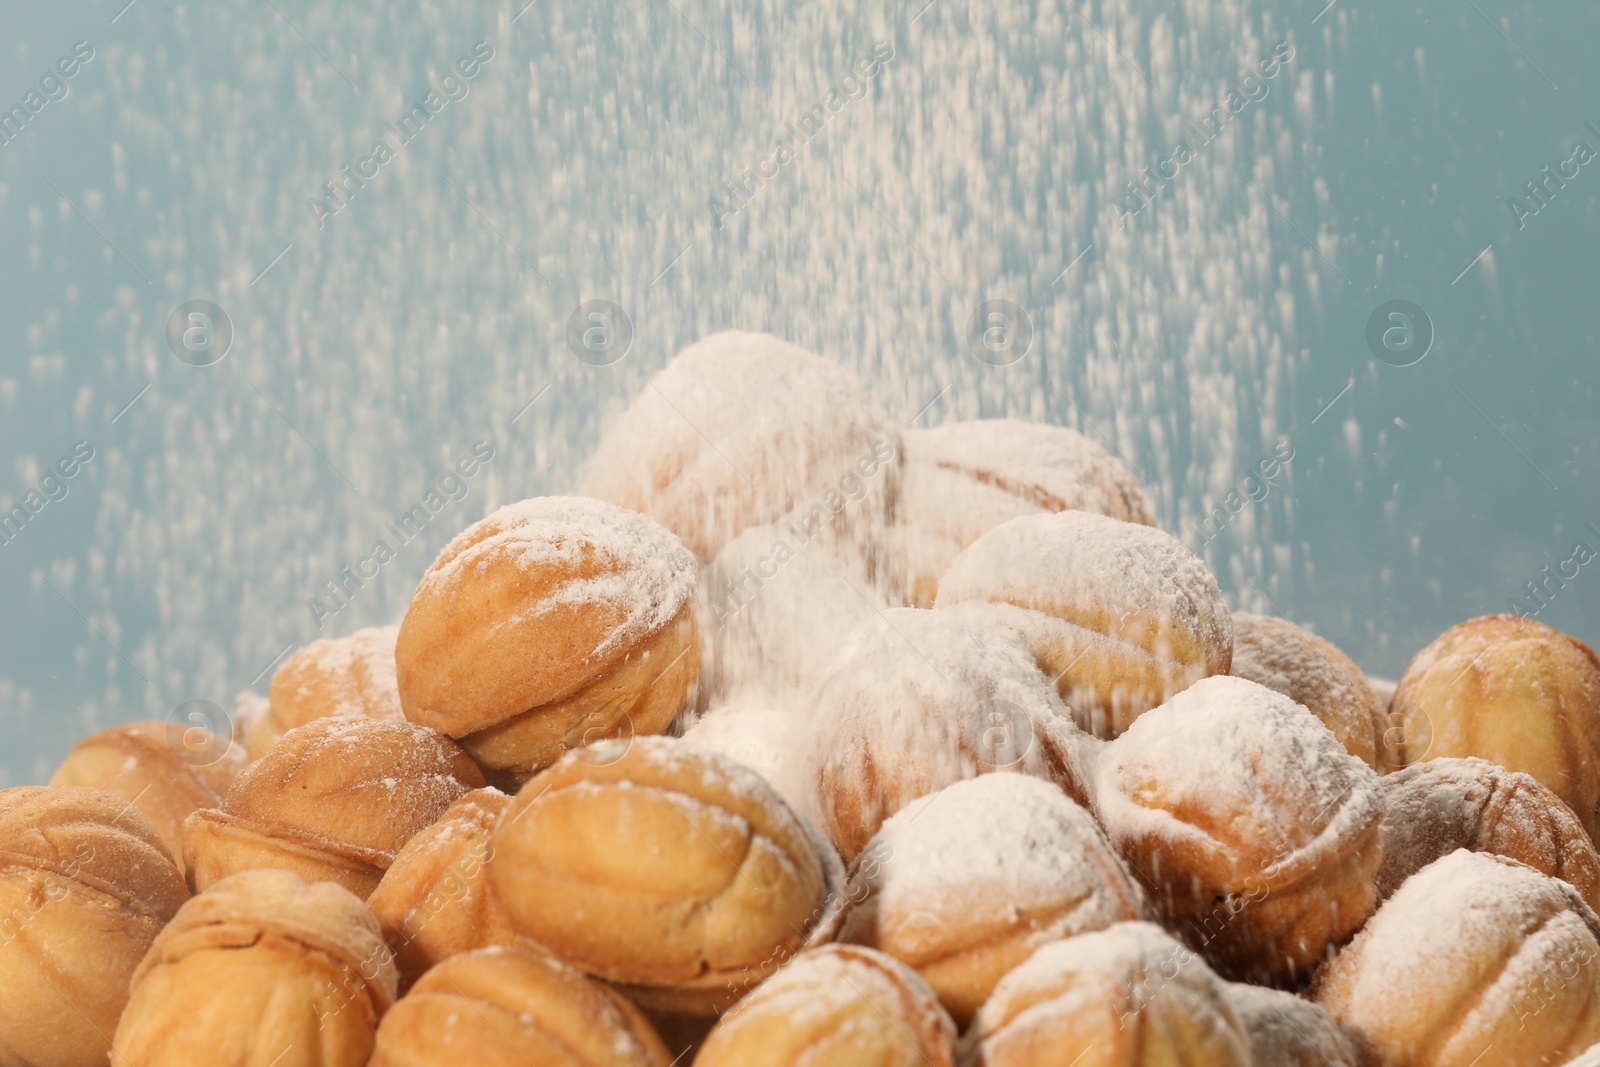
{"x":769,"y":741}
{"x":737,"y":430}
{"x":777,"y":616}
{"x":924,"y":686}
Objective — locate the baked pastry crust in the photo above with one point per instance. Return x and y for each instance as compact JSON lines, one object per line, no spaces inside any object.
{"x":1435,"y":807}
{"x":1126,"y":996}
{"x":551,"y":624}
{"x":502,"y":1007}
{"x":259,"y":964}
{"x":921,"y":699}
{"x":964,"y":884}
{"x":160,"y":768}
{"x":838,"y":1004}
{"x":1311,"y":671}
{"x":335,"y":800}
{"x":433,"y":902}
{"x":1122,"y":616}
{"x":742,"y":429}
{"x":352,"y":675}
{"x":86,"y":885}
{"x":1517,"y":693}
{"x":1255,"y":832}
{"x":1476,"y":959}
{"x":704,"y":879}
{"x":963,"y":479}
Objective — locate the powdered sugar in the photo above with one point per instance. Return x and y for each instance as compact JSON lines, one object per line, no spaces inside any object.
{"x":996,"y":843}
{"x":1071,"y":990}
{"x":769,"y":741}
{"x":778,"y":613}
{"x":1042,"y":467}
{"x":1281,"y":656}
{"x":738,"y":430}
{"x":1227,"y":753}
{"x":357,"y":671}
{"x":1433,"y":808}
{"x":920,"y":699}
{"x":608,"y":556}
{"x":1466,"y":949}
{"x":925,"y":686}
{"x":1075,"y":562}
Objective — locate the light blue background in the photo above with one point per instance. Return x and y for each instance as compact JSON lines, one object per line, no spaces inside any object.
{"x":431,"y":311}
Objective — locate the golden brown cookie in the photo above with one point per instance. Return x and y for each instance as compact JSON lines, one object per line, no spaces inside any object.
{"x":1311,"y":671}
{"x":1476,"y":960}
{"x":921,"y":699}
{"x":550,"y":624}
{"x":963,"y":479}
{"x":1127,"y":996}
{"x":964,"y":884}
{"x":1121,"y":616}
{"x":1435,"y":807}
{"x":260,"y":969}
{"x":334,"y":800}
{"x":164,"y":769}
{"x":1517,"y":693}
{"x":433,"y":902}
{"x":86,"y":884}
{"x":353,"y":675}
{"x":742,"y":429}
{"x":1255,"y":832}
{"x":839,"y":1004}
{"x":665,"y":868}
{"x":501,"y":1007}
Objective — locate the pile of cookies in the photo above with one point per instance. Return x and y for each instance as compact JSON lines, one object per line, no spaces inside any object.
{"x":807,"y":739}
